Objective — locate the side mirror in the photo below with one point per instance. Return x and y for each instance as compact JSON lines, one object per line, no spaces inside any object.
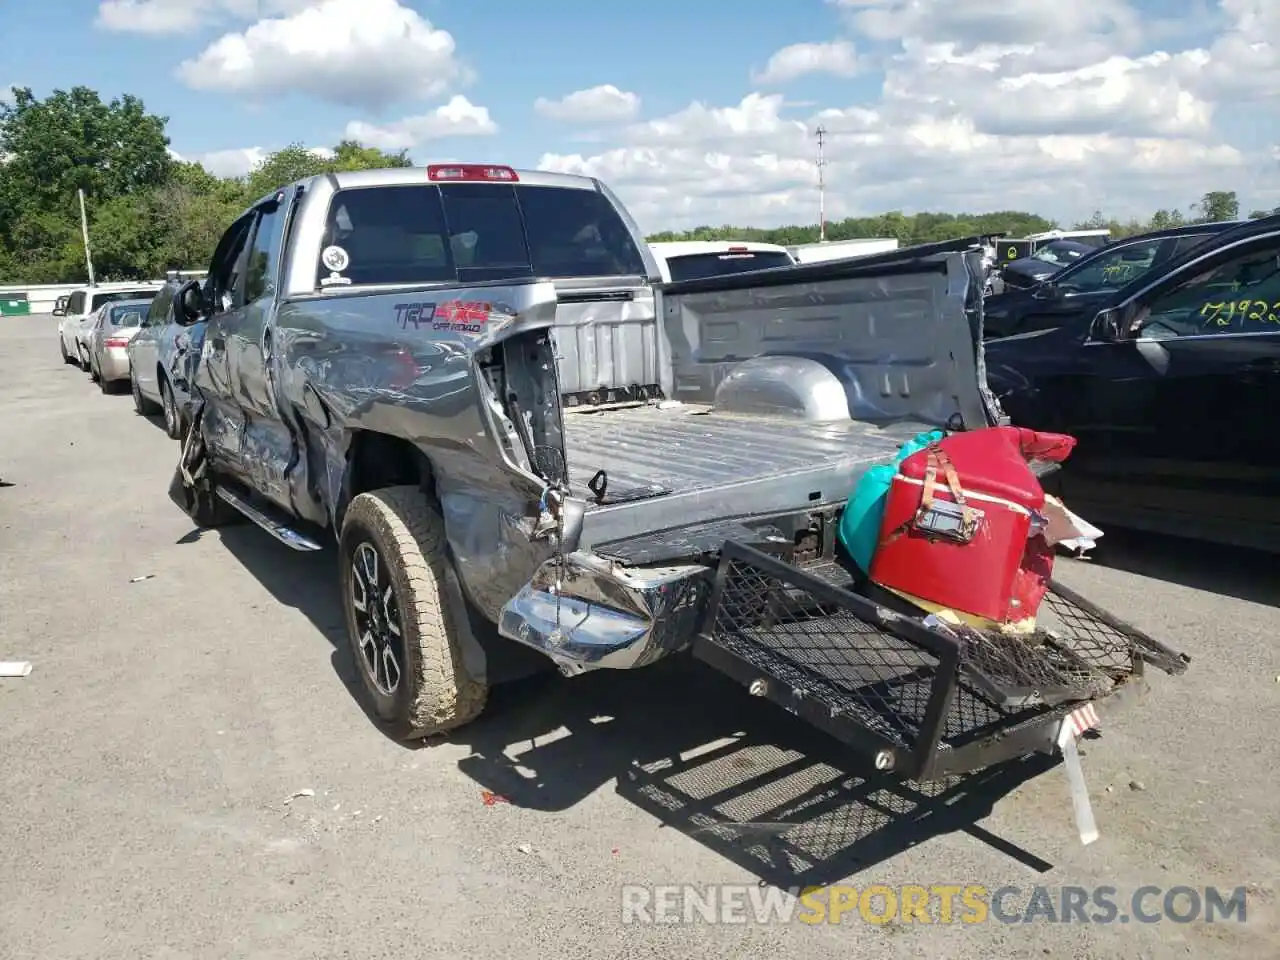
{"x":1047,"y":291}
{"x":59,"y":311}
{"x":1108,"y":326}
{"x":188,"y":304}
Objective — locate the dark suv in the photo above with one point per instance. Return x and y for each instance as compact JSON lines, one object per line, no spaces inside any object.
{"x":1087,"y":285}
{"x":1171,"y":389}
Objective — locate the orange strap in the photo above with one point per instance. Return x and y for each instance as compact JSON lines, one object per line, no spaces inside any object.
{"x":936,"y":461}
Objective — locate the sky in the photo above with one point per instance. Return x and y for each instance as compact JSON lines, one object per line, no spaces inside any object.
{"x":704,"y":113}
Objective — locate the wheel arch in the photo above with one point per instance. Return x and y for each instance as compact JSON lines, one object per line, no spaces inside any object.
{"x":375,"y":461}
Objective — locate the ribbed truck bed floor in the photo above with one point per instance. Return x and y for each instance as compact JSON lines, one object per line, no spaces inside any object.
{"x":684,"y":465}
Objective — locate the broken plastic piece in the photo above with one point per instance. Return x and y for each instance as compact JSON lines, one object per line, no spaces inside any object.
{"x":1085,"y":824}
{"x":1066,"y":529}
{"x":15,"y":668}
{"x":490,"y":798}
{"x":307,"y":792}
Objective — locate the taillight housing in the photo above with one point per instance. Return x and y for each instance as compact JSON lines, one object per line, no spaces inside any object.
{"x":471,"y":173}
{"x":403,"y":369}
{"x":116,"y":342}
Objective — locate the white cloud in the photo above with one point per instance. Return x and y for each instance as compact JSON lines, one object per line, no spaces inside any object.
{"x":970,"y":24}
{"x":183,"y":16}
{"x":1056,"y":108}
{"x":457,"y":118}
{"x":838,"y":58}
{"x":230,"y":163}
{"x":756,"y":118}
{"x":238,"y":162}
{"x":601,"y":104}
{"x":1002,"y":91}
{"x":358,"y":53}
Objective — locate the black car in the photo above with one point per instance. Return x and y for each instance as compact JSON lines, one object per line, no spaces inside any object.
{"x":1172,"y":392}
{"x":1093,"y":281}
{"x":1045,"y":262}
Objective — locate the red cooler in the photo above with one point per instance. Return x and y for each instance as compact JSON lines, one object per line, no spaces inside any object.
{"x":958,"y":525}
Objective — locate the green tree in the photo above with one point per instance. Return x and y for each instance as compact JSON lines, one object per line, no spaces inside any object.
{"x":349,"y":155}
{"x":71,"y":140}
{"x":1167,"y":219}
{"x":296,"y":161}
{"x":1217,"y":205}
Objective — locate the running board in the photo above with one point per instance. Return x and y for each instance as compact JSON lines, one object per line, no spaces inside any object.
{"x":285,"y":534}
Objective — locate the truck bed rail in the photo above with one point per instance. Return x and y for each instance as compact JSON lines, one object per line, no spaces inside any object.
{"x":920,"y":701}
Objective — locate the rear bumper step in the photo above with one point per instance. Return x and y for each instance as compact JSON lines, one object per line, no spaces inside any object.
{"x":914,"y":699}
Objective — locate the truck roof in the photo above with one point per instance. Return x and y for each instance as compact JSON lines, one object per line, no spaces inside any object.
{"x":685,"y":248}
{"x":410,"y":176}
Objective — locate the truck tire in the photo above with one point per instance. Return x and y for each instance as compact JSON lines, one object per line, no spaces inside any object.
{"x":393,"y":545}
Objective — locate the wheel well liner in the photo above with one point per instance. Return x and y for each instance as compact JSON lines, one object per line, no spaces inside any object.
{"x":379,"y":460}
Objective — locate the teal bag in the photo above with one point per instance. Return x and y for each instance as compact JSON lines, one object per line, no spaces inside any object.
{"x":859,"y":530}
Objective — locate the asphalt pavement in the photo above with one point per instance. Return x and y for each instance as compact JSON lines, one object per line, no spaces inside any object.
{"x":186,"y":774}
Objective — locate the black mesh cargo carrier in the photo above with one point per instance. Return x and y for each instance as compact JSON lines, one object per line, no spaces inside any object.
{"x":919,"y":700}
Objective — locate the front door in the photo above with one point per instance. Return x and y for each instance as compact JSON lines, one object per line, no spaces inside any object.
{"x":144,"y":353}
{"x":267,"y":443}
{"x":224,"y":299}
{"x":1188,"y":399}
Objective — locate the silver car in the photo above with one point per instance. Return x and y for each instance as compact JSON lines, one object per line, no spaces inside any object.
{"x":107,"y":341}
{"x":161,"y":356}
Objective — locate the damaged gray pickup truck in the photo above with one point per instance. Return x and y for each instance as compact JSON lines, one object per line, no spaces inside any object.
{"x":474,"y":378}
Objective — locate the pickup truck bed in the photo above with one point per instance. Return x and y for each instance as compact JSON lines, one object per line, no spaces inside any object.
{"x":651,"y":451}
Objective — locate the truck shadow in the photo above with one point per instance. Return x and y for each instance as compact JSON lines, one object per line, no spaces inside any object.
{"x":740,"y":776}
{"x":682,"y":742}
{"x":1229,"y":571}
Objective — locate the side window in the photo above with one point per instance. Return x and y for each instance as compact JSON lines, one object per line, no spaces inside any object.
{"x":577,"y":233}
{"x":224,"y":272}
{"x":1237,"y":292}
{"x":261,"y":266}
{"x":1187,"y":243}
{"x":158,"y":311}
{"x":387,"y":235}
{"x":75,"y":305}
{"x":1114,"y":269}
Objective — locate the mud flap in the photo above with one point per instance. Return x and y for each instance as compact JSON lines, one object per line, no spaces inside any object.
{"x":917,"y":700}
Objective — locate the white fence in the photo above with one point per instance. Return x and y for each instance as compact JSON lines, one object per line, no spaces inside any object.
{"x":41,"y":297}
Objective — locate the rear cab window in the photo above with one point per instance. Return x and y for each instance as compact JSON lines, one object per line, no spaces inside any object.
{"x":473,"y":232}
{"x":695,"y":266}
{"x":130,"y":315}
{"x":114,"y":296}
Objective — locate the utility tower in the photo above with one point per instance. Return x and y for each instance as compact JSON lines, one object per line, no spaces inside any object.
{"x":821,"y":134}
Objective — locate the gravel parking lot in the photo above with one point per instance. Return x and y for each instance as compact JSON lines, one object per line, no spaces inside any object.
{"x":149,"y":757}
